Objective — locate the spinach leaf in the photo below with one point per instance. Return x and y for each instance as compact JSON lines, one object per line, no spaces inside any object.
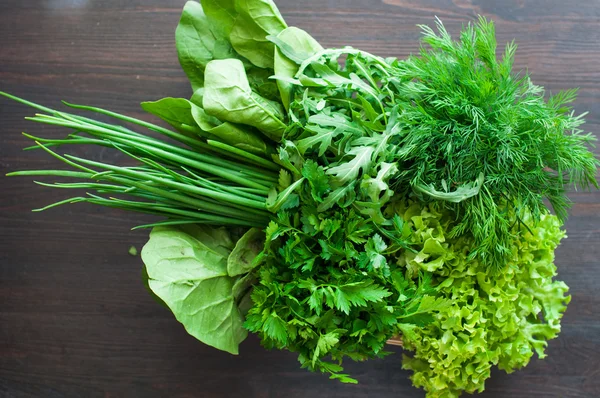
{"x":238,"y":136}
{"x":262,"y":84}
{"x":303,"y":46}
{"x":175,"y":111}
{"x":242,"y":258}
{"x":145,"y":279}
{"x":247,"y":23}
{"x":228,"y":96}
{"x":198,"y":42}
{"x":198,"y":97}
{"x":186,"y":116}
{"x":187,"y":269}
{"x":221,"y":12}
{"x":256,"y":20}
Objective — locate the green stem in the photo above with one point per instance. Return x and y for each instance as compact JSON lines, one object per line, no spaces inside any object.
{"x":207,"y":164}
{"x":172,"y":184}
{"x":247,"y":155}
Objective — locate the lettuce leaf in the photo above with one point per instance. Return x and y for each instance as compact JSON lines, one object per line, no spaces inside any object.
{"x":498,"y":318}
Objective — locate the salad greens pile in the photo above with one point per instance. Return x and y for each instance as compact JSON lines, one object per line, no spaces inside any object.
{"x":494,"y":319}
{"x":329,"y":200}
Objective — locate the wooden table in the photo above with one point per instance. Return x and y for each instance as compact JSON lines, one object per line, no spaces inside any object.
{"x":75,"y":320}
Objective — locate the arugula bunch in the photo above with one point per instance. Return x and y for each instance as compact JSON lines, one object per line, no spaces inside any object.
{"x":330,"y":199}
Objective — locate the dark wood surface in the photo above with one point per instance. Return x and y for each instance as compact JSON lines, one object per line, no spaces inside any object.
{"x":75,"y":320}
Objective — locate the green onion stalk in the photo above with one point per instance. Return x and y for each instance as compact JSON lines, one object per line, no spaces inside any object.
{"x":186,"y":179}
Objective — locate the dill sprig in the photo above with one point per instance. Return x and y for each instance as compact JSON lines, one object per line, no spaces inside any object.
{"x":464,"y":113}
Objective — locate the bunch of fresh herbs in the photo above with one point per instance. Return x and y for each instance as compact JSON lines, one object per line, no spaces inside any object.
{"x":330,"y":199}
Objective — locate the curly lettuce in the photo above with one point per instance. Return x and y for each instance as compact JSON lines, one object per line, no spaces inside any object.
{"x":497,"y":318}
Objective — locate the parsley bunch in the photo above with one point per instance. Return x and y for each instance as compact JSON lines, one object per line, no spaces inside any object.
{"x":329,"y":282}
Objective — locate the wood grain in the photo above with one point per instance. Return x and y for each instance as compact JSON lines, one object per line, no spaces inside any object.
{"x":75,"y":320}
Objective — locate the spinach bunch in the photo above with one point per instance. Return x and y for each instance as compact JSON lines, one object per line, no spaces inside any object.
{"x":224,"y":51}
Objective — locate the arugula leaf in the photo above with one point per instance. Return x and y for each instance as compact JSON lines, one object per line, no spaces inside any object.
{"x":463,"y":192}
{"x":322,"y":137}
{"x":338,"y":196}
{"x":348,"y":170}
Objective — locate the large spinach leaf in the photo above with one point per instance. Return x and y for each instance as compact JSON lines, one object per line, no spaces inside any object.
{"x":287,"y":63}
{"x":228,"y":96}
{"x":247,"y":23}
{"x":175,"y":111}
{"x":243,"y":137}
{"x":257,"y":19}
{"x":221,"y":12}
{"x":188,"y":117}
{"x":187,"y":269}
{"x":262,"y":83}
{"x":198,"y":42}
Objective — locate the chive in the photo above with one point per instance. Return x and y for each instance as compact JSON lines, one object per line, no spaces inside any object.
{"x":172,"y":184}
{"x":247,"y":155}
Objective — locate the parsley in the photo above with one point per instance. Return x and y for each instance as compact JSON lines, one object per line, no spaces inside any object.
{"x":329,"y":285}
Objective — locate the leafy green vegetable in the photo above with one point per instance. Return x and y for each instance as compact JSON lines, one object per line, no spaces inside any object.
{"x":189,"y":117}
{"x":228,"y":96}
{"x":178,"y":112}
{"x":262,"y":84}
{"x":461,"y":193}
{"x":199,"y":42}
{"x":187,"y":269}
{"x":247,"y":24}
{"x":462,"y":128}
{"x":469,"y":114}
{"x":328,"y":284}
{"x":256,"y":20}
{"x":222,"y":12}
{"x":242,"y":258}
{"x":501,"y":319}
{"x":398,"y":196}
{"x":239,"y":136}
{"x":295,"y":43}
